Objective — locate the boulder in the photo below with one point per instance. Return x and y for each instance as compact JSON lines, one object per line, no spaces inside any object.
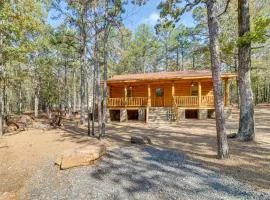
{"x":232,"y":135}
{"x":11,"y":128}
{"x":26,"y":120}
{"x":140,"y":140}
{"x":8,"y":196}
{"x":80,"y":156}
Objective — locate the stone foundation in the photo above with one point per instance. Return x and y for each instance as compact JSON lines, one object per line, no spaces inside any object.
{"x":123,"y":115}
{"x":202,"y":114}
{"x":181,"y":114}
{"x":227,"y":113}
{"x":141,"y":114}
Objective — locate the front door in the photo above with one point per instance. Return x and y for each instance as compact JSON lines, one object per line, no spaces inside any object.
{"x":158,"y":97}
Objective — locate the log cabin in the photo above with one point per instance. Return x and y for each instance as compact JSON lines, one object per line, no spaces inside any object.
{"x":164,"y":96}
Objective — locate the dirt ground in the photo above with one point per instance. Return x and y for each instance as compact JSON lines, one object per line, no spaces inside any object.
{"x":22,"y":154}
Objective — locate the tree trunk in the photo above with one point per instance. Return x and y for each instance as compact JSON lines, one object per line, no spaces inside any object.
{"x":177,"y":58}
{"x":268,"y":99}
{"x":1,"y":110}
{"x":182,"y":58}
{"x":36,"y":101}
{"x":94,"y":100}
{"x":74,"y":92}
{"x":20,"y":98}
{"x":49,"y":113}
{"x":99,"y":103}
{"x":105,"y":87}
{"x":222,"y":145}
{"x":246,"y":130}
{"x":83,"y":45}
{"x":66,"y":88}
{"x":98,"y":79}
{"x":88,"y":109}
{"x":1,"y":74}
{"x":193,"y":61}
{"x":82,"y":89}
{"x":166,"y":56}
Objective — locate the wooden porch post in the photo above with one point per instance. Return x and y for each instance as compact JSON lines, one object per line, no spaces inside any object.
{"x":148,"y":101}
{"x":125,"y":90}
{"x":148,"y":95}
{"x":173,"y":92}
{"x":199,"y":94}
{"x":227,"y":93}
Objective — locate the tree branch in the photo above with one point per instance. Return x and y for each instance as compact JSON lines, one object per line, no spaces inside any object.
{"x":226,"y":8}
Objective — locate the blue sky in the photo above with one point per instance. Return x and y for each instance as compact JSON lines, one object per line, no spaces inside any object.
{"x":135,"y":15}
{"x":148,"y":14}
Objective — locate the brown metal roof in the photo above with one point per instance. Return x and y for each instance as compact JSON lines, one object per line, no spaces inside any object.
{"x":167,"y":76}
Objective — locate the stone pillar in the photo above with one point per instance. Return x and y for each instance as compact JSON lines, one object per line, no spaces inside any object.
{"x":202,"y":114}
{"x":227,"y":113}
{"x":147,"y":114}
{"x":141,"y":113}
{"x":123,"y":115}
{"x":181,"y":114}
{"x":108,"y":116}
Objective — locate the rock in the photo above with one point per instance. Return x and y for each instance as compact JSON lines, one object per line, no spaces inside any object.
{"x":8,"y":196}
{"x":140,"y":140}
{"x":232,"y":135}
{"x":39,"y":125}
{"x":26,"y":120}
{"x":80,"y":156}
{"x":11,"y":128}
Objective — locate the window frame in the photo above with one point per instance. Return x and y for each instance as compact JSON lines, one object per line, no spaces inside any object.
{"x":159,"y":92}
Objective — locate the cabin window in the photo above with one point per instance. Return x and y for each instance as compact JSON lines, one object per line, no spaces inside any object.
{"x":159,"y":92}
{"x":194,"y":90}
{"x":129,"y":92}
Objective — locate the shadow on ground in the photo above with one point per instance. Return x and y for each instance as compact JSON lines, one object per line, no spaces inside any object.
{"x":196,"y":138}
{"x":141,"y":172}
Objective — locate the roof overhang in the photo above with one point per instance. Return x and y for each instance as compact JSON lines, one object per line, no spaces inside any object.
{"x":155,"y":79}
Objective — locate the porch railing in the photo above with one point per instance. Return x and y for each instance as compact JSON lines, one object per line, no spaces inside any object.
{"x":116,"y":102}
{"x":178,"y":101}
{"x":208,"y":101}
{"x":186,"y":101}
{"x":130,"y":101}
{"x":136,"y":101}
{"x":192,"y":101}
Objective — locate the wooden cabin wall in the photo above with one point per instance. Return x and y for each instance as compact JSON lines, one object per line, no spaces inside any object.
{"x":117,"y":91}
{"x":168,"y":95}
{"x":139,"y":91}
{"x":183,"y":89}
{"x":207,"y":88}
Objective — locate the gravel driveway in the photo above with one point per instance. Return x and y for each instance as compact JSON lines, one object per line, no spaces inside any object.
{"x":137,"y":173}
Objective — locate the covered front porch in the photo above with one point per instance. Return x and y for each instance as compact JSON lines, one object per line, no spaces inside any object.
{"x":189,"y":94}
